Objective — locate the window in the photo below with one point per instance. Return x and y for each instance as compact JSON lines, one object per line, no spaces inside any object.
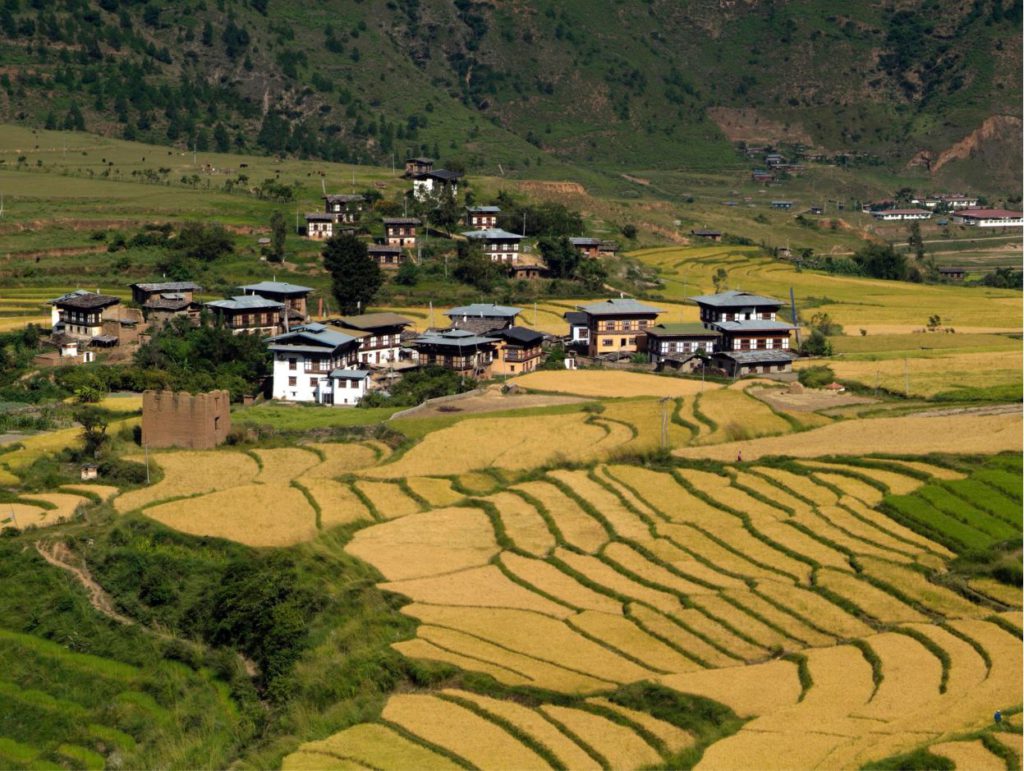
{"x":606,"y":342}
{"x":291,"y":364}
{"x":312,"y":382}
{"x":293,"y":381}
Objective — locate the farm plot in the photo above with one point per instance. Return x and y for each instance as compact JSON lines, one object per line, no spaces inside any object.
{"x":609,"y":383}
{"x":646,"y":418}
{"x":664,"y":494}
{"x":387,"y":498}
{"x":748,"y":691}
{"x":735,"y":415}
{"x":623,"y":522}
{"x":191,"y":472}
{"x":873,"y":601}
{"x":632,"y":561}
{"x":552,"y":582}
{"x":621,"y":634}
{"x":523,"y":523}
{"x":368,"y":745}
{"x":916,"y":586}
{"x":281,"y":466}
{"x":437,"y":492}
{"x":617,"y":744}
{"x":64,"y":508}
{"x":339,"y":459}
{"x":577,"y":527}
{"x":338,"y":504}
{"x":681,"y":638}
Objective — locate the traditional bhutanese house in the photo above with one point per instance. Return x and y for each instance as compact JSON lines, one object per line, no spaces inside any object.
{"x":518,"y":351}
{"x":81,"y":314}
{"x":459,"y":350}
{"x":414,"y":166}
{"x":527,"y":269}
{"x":386,"y":256}
{"x":499,"y":245}
{"x":143,"y":293}
{"x":56,"y":314}
{"x":292,"y":296}
{"x":587,"y":247}
{"x":989,"y":218}
{"x":249,"y":314}
{"x":121,"y":326}
{"x":707,"y":235}
{"x":782,"y":204}
{"x":608,"y":249}
{"x":734,"y":305}
{"x":305,"y":360}
{"x":579,"y":328}
{"x":740,"y":363}
{"x":435,"y":183}
{"x":614,"y":325}
{"x":160,"y":302}
{"x":774,"y":159}
{"x":953,"y":274}
{"x":346,"y":208}
{"x":482,"y":217}
{"x":760,"y":175}
{"x":381,"y":343}
{"x":900,"y":215}
{"x":673,"y":345}
{"x":483,"y":317}
{"x":401,"y":231}
{"x":320,"y":226}
{"x":747,"y":322}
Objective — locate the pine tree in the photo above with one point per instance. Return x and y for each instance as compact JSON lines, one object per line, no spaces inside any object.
{"x":355,"y":278}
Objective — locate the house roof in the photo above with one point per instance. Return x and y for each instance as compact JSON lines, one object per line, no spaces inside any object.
{"x":165,"y":303}
{"x":584,"y":241}
{"x":689,"y":329}
{"x":734,"y":298}
{"x":320,"y":216}
{"x":453,"y":338}
{"x":349,"y":374}
{"x":244,"y":303}
{"x":383,"y":249}
{"x":419,"y":160}
{"x":754,"y":324}
{"x":619,"y":306}
{"x":575,"y":318}
{"x":484,"y":209}
{"x":401,"y":221}
{"x":518,"y":335}
{"x":344,"y":198}
{"x":444,"y":175}
{"x":901,"y":212}
{"x":492,"y":234}
{"x":766,"y":356}
{"x":988,"y":214}
{"x":169,"y":286}
{"x":275,"y":287}
{"x":86,"y":301}
{"x":69,"y":295}
{"x":368,"y":321}
{"x":310,"y":336}
{"x":706,"y":232}
{"x":484,"y":310}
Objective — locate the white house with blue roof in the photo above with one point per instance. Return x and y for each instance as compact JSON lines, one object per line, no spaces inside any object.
{"x":499,"y":245}
{"x":313,"y":363}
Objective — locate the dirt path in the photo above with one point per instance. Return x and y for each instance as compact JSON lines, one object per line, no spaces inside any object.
{"x":58,"y":555}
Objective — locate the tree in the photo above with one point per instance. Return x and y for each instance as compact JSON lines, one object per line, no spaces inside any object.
{"x":278,"y":234}
{"x":221,"y":139}
{"x":880,"y":261}
{"x":915,"y":242}
{"x":473,"y":267}
{"x":561,"y":257}
{"x":592,"y":274}
{"x":720,"y":279}
{"x":629,"y":231}
{"x":355,"y":278}
{"x":94,"y":429}
{"x":408,"y":274}
{"x":816,"y":344}
{"x":205,"y":242}
{"x":442,"y":209}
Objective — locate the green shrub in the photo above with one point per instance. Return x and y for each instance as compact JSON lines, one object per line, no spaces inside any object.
{"x":817,"y":377}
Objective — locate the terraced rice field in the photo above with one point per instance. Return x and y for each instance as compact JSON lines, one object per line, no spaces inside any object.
{"x":609,"y":383}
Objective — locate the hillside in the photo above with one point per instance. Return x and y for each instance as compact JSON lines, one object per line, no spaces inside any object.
{"x":605,"y":83}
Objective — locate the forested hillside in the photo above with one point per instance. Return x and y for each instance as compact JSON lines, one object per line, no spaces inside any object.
{"x":607,"y":83}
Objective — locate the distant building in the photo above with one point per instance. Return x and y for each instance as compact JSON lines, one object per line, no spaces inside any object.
{"x":898,"y":215}
{"x":953,"y":274}
{"x":499,"y":245}
{"x":414,"y":166}
{"x":348,"y":208}
{"x":401,"y":231}
{"x":306,"y":360}
{"x":292,"y":296}
{"x":144,"y":292}
{"x":989,"y":218}
{"x":587,"y":247}
{"x":760,"y":175}
{"x":435,"y":183}
{"x":675,"y":343}
{"x":459,"y":350}
{"x":707,"y":235}
{"x":518,"y":350}
{"x":80,"y":314}
{"x":386,"y":256}
{"x":774,"y":159}
{"x":786,"y":205}
{"x":381,"y":342}
{"x":816,"y":208}
{"x":320,"y":226}
{"x":483,"y":317}
{"x":613,"y":326}
{"x":752,"y":338}
{"x":579,"y":328}
{"x":249,"y":314}
{"x":482,"y":217}
{"x":162,"y":301}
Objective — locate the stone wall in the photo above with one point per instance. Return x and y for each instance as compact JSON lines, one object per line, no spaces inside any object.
{"x":180,"y":419}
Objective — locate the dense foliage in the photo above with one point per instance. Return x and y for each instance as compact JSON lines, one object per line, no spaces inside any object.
{"x":419,"y":385}
{"x":355,"y":278}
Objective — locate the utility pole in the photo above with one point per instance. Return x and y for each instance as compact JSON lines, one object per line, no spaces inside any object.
{"x":664,"y":423}
{"x":796,"y":323}
{"x":145,"y":448}
{"x":906,"y":378}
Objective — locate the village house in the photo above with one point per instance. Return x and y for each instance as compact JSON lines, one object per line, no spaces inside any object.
{"x":162,"y":301}
{"x":482,"y":217}
{"x":292,"y":296}
{"x":898,"y":215}
{"x":459,"y":350}
{"x":386,"y":256}
{"x":437,"y":182}
{"x":143,"y":293}
{"x":613,"y":326}
{"x":760,"y":175}
{"x":579,"y":328}
{"x":989,"y":218}
{"x":587,"y":247}
{"x":774,"y":159}
{"x":67,"y":352}
{"x":948,"y":201}
{"x":950,"y":273}
{"x":414,"y":166}
{"x":483,"y":317}
{"x":401,"y":231}
{"x":608,"y":249}
{"x":249,"y":314}
{"x":527,"y":268}
{"x":380,"y":336}
{"x":499,"y":245}
{"x":348,"y":208}
{"x":320,"y":226}
{"x":816,"y":208}
{"x":785,"y":205}
{"x":315,"y":364}
{"x":676,"y":345}
{"x":518,"y":350}
{"x":707,"y":235}
{"x":753,"y":340}
{"x":80,"y":314}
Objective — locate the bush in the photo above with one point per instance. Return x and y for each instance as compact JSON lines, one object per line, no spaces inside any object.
{"x":816,"y":344}
{"x":816,"y":377}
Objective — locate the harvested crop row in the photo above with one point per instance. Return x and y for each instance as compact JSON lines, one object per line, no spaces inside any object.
{"x":577,"y":527}
{"x":740,"y":539}
{"x":910,"y":677}
{"x":523,"y":524}
{"x":427,"y":544}
{"x":876,"y":603}
{"x":621,"y":747}
{"x":623,"y":635}
{"x":674,"y":738}
{"x":338,"y":504}
{"x":916,"y":586}
{"x":898,"y":484}
{"x":765,"y":488}
{"x":466,"y":734}
{"x":419,"y":648}
{"x":533,"y":723}
{"x":786,"y":534}
{"x":282,"y":465}
{"x":876,"y":541}
{"x":792,"y":626}
{"x":603,"y":575}
{"x":673,"y":500}
{"x":748,"y":691}
{"x":189,"y":472}
{"x":483,"y":587}
{"x":665,"y":628}
{"x":721,"y":636}
{"x":720,"y":489}
{"x":340,"y":459}
{"x":623,"y":521}
{"x":534,"y":635}
{"x":256,"y":515}
{"x":669,"y":553}
{"x":375,"y":746}
{"x":388,"y":498}
{"x":739,"y":416}
{"x":713,"y":552}
{"x":803,"y":486}
{"x":721,"y":610}
{"x":639,"y":565}
{"x":819,"y":522}
{"x":824,"y":614}
{"x":552,"y":581}
{"x":437,"y":492}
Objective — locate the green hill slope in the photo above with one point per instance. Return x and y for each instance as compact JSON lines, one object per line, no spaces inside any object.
{"x":611,"y":83}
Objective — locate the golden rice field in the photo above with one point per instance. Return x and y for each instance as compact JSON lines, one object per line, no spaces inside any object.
{"x":609,"y":383}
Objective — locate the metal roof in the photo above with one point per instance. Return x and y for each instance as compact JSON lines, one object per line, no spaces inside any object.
{"x":584,"y":241}
{"x":275,"y":287}
{"x":520,"y":335}
{"x":753,"y":325}
{"x":455,"y":338}
{"x":492,"y":234}
{"x":988,"y":214}
{"x":484,"y":310}
{"x":169,"y":286}
{"x":69,"y":295}
{"x":368,"y":321}
{"x":349,"y":374}
{"x":344,"y":198}
{"x":316,"y":334}
{"x":484,"y":209}
{"x":244,"y":303}
{"x":441,"y":174}
{"x":576,"y":318}
{"x":86,"y":301}
{"x":619,"y":306}
{"x":401,"y":221}
{"x":735,"y":299}
{"x":383,"y":249}
{"x":689,"y":329}
{"x":757,"y":357}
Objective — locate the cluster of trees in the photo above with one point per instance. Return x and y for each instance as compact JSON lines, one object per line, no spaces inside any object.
{"x":419,"y":385}
{"x":565,"y":261}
